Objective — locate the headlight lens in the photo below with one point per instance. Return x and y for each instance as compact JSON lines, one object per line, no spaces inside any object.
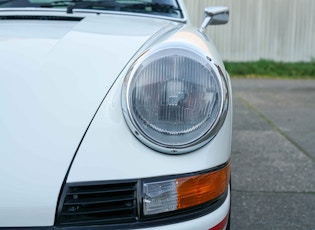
{"x":174,"y":99}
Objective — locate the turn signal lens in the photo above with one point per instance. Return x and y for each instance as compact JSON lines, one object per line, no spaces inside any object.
{"x":159,"y":197}
{"x":200,"y":189}
{"x":185,"y":192}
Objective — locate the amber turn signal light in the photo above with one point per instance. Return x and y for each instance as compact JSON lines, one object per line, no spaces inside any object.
{"x":195,"y":190}
{"x":184,"y":192}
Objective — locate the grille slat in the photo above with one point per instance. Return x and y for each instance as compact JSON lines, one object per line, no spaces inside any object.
{"x":93,"y":211}
{"x":98,"y":200}
{"x":106,"y":204}
{"x":107,"y":221}
{"x":100,"y":189}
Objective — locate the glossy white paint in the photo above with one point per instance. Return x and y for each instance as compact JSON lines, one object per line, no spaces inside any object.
{"x":53,"y":77}
{"x":49,"y":91}
{"x":109,"y":151}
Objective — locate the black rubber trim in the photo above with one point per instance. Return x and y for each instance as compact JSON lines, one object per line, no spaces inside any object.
{"x":40,"y":17}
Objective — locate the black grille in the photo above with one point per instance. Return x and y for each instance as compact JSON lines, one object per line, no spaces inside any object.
{"x":99,"y":204}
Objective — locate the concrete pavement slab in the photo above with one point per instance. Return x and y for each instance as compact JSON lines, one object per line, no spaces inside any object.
{"x":272,"y":211}
{"x":273,"y":154}
{"x":288,"y":104}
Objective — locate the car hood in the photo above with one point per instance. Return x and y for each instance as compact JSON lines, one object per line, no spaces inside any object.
{"x":54,"y":75}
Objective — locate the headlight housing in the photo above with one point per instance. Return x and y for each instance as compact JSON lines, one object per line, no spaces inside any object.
{"x":174,"y":99}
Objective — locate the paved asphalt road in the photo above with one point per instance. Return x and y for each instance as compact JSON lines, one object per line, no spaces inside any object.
{"x":273,"y":154}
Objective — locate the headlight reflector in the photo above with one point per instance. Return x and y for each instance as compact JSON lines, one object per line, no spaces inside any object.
{"x":174,"y":98}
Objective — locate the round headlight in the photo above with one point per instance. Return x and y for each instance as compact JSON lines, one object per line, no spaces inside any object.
{"x":174,"y":99}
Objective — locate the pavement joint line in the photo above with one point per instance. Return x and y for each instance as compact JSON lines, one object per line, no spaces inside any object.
{"x":275,"y":192}
{"x":261,"y":115}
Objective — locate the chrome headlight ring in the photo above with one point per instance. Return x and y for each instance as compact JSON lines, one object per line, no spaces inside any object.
{"x":174,"y":98}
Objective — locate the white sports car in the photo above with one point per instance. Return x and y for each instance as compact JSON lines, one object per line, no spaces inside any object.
{"x":115,"y":114}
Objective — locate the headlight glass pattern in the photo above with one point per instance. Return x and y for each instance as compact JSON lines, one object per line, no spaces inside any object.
{"x":174,"y":98}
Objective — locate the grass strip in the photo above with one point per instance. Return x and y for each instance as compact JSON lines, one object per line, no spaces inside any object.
{"x":271,"y":69}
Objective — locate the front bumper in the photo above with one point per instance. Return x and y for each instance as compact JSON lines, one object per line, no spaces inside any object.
{"x":216,"y":220}
{"x":213,"y":217}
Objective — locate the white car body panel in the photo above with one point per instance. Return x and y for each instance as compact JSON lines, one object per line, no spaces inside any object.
{"x":61,"y":118}
{"x":109,"y":148}
{"x":109,"y":152}
{"x":49,"y":92}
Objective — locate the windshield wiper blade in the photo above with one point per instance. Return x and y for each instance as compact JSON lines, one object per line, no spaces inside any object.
{"x":150,"y":7}
{"x":154,"y":5}
{"x":57,"y":4}
{"x":82,"y":4}
{"x":135,"y":6}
